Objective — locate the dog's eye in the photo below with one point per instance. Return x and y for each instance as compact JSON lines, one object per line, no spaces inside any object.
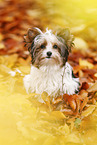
{"x":42,"y":46}
{"x":55,"y":46}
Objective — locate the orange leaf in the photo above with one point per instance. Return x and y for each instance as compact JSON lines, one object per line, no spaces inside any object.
{"x":72,"y":102}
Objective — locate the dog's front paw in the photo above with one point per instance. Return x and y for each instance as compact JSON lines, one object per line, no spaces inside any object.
{"x":72,"y":88}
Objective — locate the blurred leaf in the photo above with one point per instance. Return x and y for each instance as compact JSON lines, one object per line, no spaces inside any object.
{"x":93,"y":88}
{"x":80,"y":44}
{"x":73,"y":138}
{"x":58,"y":115}
{"x":95,"y":74}
{"x":88,"y":111}
{"x":2,"y":46}
{"x":85,"y":63}
{"x":1,"y":37}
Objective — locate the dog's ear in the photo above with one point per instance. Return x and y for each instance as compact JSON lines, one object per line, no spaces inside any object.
{"x":31,"y":34}
{"x":67,"y":37}
{"x":29,"y":37}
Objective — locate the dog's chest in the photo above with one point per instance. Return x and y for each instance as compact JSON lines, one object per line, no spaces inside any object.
{"x":47,"y":79}
{"x":54,"y":80}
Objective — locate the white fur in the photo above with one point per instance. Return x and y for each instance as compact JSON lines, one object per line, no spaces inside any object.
{"x":49,"y":79}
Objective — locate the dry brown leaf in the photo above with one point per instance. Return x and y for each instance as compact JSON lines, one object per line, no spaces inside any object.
{"x":85,"y":86}
{"x":72,"y":102}
{"x":1,"y":37}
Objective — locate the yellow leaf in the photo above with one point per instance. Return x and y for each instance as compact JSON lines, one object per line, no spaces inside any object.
{"x":80,"y":44}
{"x":4,"y":69}
{"x":95,"y":74}
{"x":57,"y":114}
{"x":2,"y":46}
{"x":85,"y":63}
{"x":9,"y":61}
{"x":64,"y":129}
{"x":93,"y":88}
{"x":50,"y":140}
{"x":78,"y":28}
{"x":12,"y":60}
{"x":44,"y":96}
{"x":73,"y":138}
{"x":88,"y":111}
{"x":46,"y":99}
{"x":25,"y":69}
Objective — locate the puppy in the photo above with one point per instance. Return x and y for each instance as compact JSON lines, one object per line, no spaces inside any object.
{"x":50,"y":71}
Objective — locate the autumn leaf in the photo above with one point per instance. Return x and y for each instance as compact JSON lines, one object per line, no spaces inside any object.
{"x":88,"y":111}
{"x":86,"y":64}
{"x":93,"y":88}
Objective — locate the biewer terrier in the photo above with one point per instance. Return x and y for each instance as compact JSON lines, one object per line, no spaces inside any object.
{"x":50,"y":71}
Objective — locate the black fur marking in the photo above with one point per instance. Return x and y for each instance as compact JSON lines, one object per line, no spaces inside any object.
{"x":76,"y":91}
{"x":65,"y":56}
{"x":73,"y":76}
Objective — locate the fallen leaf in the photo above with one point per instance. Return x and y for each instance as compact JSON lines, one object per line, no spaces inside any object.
{"x":80,"y":44}
{"x":72,"y":102}
{"x":88,"y":111}
{"x":85,"y":86}
{"x":95,"y":74}
{"x":93,"y":88}
{"x":58,"y":114}
{"x":83,"y":94}
{"x":86,"y":64}
{"x":2,"y":46}
{"x":1,"y":37}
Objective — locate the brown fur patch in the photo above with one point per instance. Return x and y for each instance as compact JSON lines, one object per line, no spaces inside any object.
{"x":36,"y":53}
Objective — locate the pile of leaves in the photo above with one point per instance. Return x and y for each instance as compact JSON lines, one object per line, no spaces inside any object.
{"x":24,"y":120}
{"x":14,"y":24}
{"x":84,"y":103}
{"x":15,"y":19}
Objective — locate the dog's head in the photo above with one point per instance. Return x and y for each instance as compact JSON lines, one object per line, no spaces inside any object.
{"x":48,"y":48}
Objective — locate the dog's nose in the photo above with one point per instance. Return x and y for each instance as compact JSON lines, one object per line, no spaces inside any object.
{"x":49,"y":53}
